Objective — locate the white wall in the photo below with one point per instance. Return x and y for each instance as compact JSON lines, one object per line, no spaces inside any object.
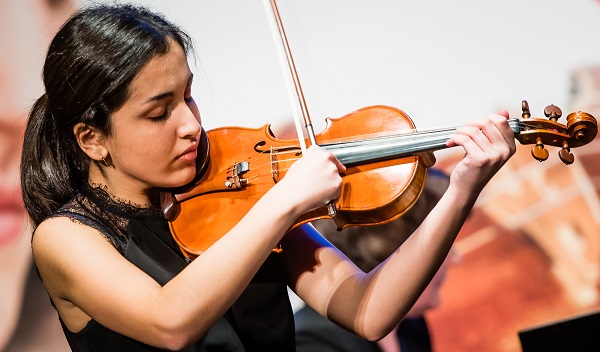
{"x":443,"y":62}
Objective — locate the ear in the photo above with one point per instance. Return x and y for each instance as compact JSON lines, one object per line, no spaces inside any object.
{"x":91,"y":140}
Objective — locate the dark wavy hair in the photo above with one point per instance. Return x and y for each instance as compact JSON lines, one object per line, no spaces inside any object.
{"x":87,"y":75}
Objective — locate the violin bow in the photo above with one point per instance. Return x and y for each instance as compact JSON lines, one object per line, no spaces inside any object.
{"x":284,"y":48}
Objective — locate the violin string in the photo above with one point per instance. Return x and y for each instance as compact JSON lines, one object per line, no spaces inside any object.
{"x":413,"y":134}
{"x":408,"y":133}
{"x":291,"y":149}
{"x":527,"y":126}
{"x":276,"y":152}
{"x":255,"y":166}
{"x":522,"y":123}
{"x":269,"y":173}
{"x":532,"y":125}
{"x":416,"y":133}
{"x":288,"y":151}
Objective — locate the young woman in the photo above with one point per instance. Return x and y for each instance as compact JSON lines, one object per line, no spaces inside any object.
{"x":118,"y":124}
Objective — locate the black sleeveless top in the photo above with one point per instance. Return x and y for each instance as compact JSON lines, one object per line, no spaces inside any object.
{"x":260,"y":320}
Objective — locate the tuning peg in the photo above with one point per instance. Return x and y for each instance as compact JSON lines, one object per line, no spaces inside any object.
{"x":553,"y":112}
{"x":539,"y":152}
{"x":525,"y":107}
{"x":565,"y":154}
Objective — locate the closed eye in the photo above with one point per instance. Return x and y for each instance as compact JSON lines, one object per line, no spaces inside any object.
{"x":161,"y":117}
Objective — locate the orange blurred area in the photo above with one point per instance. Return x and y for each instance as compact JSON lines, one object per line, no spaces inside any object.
{"x":529,"y":253}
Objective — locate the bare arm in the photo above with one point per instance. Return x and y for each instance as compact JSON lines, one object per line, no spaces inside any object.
{"x":372,"y":304}
{"x":87,"y":277}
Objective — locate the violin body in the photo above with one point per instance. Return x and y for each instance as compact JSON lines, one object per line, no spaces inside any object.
{"x":372,"y":193}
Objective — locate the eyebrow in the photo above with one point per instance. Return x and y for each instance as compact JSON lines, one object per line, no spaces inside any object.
{"x":168,"y":94}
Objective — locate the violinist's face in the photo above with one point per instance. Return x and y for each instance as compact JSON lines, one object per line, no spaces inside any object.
{"x":155,"y":134}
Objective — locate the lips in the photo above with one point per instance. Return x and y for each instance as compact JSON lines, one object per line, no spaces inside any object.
{"x":190,"y":153}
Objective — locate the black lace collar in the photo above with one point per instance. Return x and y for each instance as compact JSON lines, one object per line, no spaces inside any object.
{"x":96,"y":207}
{"x":100,"y":195}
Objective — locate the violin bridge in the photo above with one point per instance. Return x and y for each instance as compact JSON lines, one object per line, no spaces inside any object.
{"x":274,"y":166}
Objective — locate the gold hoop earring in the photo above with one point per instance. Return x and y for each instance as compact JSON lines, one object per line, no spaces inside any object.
{"x":104,"y":160}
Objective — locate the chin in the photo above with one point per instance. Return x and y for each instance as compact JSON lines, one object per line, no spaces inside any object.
{"x":181,"y":179}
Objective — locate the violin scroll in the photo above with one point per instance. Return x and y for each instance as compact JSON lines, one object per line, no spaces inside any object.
{"x":581,"y":129}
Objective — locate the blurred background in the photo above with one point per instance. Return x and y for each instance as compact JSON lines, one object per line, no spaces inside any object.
{"x":530,"y":250}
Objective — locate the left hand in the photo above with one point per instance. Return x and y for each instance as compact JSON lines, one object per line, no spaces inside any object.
{"x":488,"y":144}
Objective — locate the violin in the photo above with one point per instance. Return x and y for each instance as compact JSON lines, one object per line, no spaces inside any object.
{"x":386,"y":161}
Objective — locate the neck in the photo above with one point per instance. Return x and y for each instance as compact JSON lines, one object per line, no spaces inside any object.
{"x":123,"y":190}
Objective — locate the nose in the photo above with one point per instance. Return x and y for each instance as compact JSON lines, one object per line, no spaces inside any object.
{"x":190,"y":121}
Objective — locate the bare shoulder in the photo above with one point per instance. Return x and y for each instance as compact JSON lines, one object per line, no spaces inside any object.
{"x":86,"y":276}
{"x":61,"y":234}
{"x":62,"y":248}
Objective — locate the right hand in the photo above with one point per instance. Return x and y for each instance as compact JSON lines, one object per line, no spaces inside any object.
{"x":314,"y":180}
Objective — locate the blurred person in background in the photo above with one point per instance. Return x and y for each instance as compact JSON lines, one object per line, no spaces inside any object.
{"x":367,"y":247}
{"x":27,"y":320}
